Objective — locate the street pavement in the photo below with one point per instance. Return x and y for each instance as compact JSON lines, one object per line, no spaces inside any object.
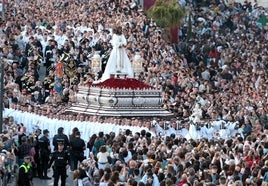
{"x":39,"y":182}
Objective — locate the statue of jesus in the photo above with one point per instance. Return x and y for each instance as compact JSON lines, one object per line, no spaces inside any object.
{"x":118,"y":62}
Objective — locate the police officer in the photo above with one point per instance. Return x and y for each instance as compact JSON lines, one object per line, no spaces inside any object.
{"x":77,"y":147}
{"x":59,"y":138}
{"x":44,"y":146}
{"x":25,"y":172}
{"x":36,"y":168}
{"x":61,"y":159}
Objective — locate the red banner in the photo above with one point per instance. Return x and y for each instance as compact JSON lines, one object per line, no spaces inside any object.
{"x":148,"y":3}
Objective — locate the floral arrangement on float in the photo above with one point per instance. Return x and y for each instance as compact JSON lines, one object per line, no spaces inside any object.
{"x":127,"y":83}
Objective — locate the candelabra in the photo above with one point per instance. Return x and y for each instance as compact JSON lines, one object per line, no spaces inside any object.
{"x":137,"y":64}
{"x":96,"y":64}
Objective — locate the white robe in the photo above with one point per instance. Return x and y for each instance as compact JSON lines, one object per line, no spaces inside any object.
{"x":118,"y":62}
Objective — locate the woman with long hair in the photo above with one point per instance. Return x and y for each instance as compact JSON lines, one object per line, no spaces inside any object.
{"x":90,"y":143}
{"x":102,"y":157}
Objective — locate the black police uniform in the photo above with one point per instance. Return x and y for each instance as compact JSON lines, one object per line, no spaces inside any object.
{"x":37,"y":168}
{"x":61,"y":160}
{"x":59,"y":138}
{"x":77,"y":147}
{"x":44,"y":156}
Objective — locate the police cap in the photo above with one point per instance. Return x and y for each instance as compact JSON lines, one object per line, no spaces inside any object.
{"x":60,"y":141}
{"x":27,"y":156}
{"x":45,"y":131}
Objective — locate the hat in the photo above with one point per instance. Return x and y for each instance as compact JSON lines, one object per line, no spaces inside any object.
{"x":60,"y":141}
{"x":45,"y":131}
{"x":27,"y":156}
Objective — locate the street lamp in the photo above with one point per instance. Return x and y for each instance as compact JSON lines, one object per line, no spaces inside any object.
{"x":96,"y":64}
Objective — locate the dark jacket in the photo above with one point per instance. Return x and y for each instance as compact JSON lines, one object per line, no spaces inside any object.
{"x":25,"y":175}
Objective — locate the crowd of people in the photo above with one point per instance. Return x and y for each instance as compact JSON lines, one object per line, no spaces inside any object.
{"x":220,"y":66}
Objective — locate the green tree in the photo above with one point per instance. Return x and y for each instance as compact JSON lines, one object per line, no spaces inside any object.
{"x":168,"y":15}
